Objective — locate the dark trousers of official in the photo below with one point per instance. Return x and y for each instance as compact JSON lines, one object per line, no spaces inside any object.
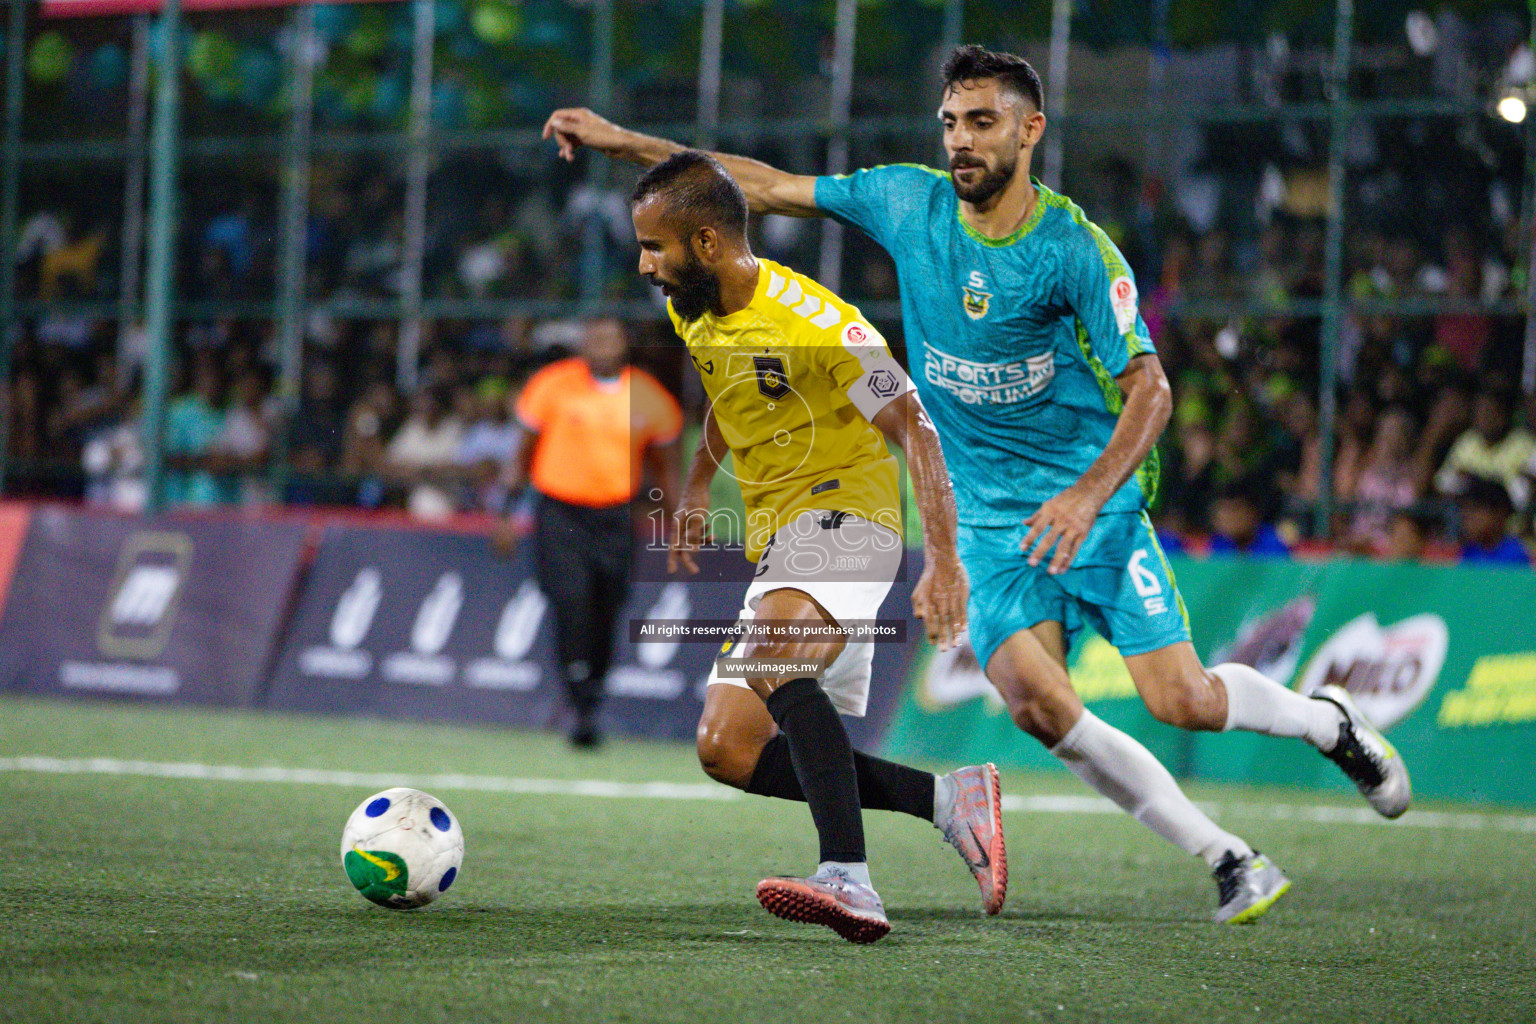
{"x":583,"y":557}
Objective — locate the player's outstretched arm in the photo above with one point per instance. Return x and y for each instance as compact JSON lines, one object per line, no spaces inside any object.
{"x":768,"y":189}
{"x":1064,"y":521}
{"x":690,"y":520}
{"x":940,"y":596}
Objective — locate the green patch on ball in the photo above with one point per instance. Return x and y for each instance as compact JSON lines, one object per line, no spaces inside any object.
{"x":377,"y":874}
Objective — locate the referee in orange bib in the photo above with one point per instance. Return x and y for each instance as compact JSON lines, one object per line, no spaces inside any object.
{"x":592,"y":424}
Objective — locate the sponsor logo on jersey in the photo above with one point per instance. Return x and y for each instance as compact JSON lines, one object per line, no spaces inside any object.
{"x":1122,"y":296}
{"x":989,"y":383}
{"x":856,"y":336}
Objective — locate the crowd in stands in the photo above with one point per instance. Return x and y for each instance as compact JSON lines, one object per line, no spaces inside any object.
{"x":1434,"y":436}
{"x":353,"y":437}
{"x":1434,"y":456}
{"x":1435,"y":450}
{"x":507,"y":244}
{"x":1434,"y":459}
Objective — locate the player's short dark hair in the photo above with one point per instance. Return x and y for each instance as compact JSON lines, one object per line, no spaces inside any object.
{"x":971,"y":62}
{"x":698,"y":191}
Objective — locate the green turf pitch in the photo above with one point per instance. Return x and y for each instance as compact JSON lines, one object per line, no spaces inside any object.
{"x":131,"y":898}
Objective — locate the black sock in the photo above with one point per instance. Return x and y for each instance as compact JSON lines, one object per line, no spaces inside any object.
{"x":823,"y":762}
{"x":883,"y":785}
{"x":584,"y":688}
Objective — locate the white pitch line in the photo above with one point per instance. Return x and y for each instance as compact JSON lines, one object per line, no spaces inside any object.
{"x":1323,"y":814}
{"x":369,"y":780}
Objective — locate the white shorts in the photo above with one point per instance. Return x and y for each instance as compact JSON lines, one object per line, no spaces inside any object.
{"x":846,"y":563}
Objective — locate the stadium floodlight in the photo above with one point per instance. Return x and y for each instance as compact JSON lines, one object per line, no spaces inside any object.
{"x":1512,"y":107}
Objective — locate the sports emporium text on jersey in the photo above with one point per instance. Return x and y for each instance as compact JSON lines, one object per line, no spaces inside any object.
{"x":989,"y":383}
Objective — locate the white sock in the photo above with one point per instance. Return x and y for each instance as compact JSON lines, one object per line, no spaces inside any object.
{"x":1256,"y":703}
{"x":1116,"y":766}
{"x":943,"y":798}
{"x":859,"y":871}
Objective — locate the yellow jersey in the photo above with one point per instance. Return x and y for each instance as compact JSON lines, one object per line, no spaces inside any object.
{"x":794,"y":379}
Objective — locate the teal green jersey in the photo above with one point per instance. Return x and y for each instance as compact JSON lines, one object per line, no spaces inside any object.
{"x":1014,"y":343}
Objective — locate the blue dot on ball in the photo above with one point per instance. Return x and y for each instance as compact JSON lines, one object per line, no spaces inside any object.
{"x":448,"y":877}
{"x":440,"y":819}
{"x":377,"y":807}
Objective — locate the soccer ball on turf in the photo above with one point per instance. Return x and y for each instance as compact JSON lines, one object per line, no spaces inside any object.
{"x":402,"y":848}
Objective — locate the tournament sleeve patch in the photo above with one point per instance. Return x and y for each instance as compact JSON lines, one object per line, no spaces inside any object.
{"x":1122,"y":297}
{"x":881,"y":383}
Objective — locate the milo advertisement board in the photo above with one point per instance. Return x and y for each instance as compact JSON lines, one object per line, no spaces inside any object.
{"x":1442,"y":658}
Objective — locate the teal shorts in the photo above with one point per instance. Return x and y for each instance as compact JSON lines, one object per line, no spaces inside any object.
{"x":1120,"y":584}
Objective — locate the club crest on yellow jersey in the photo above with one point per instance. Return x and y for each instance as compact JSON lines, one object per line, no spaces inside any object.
{"x":772,"y":378}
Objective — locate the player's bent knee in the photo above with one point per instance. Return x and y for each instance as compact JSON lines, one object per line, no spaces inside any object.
{"x":1042,"y":719}
{"x":724,"y":757}
{"x":1182,"y":704}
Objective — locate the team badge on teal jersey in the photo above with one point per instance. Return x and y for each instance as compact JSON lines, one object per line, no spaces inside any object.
{"x":974,"y":298}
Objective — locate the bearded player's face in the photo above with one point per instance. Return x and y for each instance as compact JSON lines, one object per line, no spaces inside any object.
{"x":983,"y":135}
{"x":669,"y":262}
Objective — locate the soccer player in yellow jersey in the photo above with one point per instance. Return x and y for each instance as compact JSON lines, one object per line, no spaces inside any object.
{"x":804,"y":394}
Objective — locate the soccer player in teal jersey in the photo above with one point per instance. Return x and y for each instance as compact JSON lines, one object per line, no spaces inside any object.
{"x":1031,"y":358}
